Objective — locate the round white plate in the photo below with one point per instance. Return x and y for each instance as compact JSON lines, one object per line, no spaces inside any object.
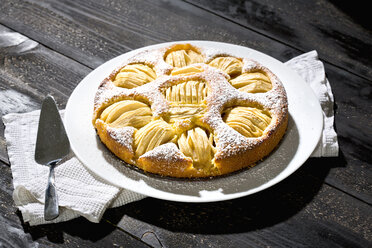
{"x":304,"y":130}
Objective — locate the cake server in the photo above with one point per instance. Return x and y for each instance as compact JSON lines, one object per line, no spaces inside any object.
{"x":52,"y":146}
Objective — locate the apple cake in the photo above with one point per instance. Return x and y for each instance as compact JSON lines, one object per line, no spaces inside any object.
{"x":188,"y":111}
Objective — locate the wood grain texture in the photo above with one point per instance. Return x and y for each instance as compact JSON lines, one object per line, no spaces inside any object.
{"x":339,"y":31}
{"x":92,"y":32}
{"x":352,"y":171}
{"x":299,"y":212}
{"x":30,"y":71}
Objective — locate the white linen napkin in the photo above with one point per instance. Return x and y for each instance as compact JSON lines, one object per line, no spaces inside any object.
{"x":311,"y":69}
{"x":82,"y":193}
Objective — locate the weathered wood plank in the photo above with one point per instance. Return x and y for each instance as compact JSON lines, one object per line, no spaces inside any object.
{"x":339,"y":31}
{"x":93,"y":31}
{"x":352,"y":171}
{"x":58,"y":33}
{"x":28,"y":72}
{"x":301,"y":211}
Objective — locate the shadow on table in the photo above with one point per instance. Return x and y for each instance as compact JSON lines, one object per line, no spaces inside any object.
{"x":79,"y":227}
{"x":257,"y":211}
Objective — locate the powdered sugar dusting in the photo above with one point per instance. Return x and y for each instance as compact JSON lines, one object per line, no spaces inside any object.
{"x":230,"y":141}
{"x":154,"y":58}
{"x":211,"y":53}
{"x":249,"y":65}
{"x":221,"y":95}
{"x":108,"y":93}
{"x":166,"y":152}
{"x":123,"y":135}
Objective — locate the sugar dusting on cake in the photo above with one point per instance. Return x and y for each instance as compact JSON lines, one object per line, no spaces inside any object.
{"x":123,"y":135}
{"x":222,"y":94}
{"x":166,"y":152}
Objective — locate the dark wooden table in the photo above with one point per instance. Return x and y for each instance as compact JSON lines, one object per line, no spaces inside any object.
{"x":48,"y":46}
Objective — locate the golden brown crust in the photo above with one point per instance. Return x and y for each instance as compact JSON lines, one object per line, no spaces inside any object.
{"x":177,"y":167}
{"x":182,"y":168}
{"x":123,"y":152}
{"x":248,"y":157}
{"x":203,"y":92}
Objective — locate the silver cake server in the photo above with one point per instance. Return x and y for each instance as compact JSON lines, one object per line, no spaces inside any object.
{"x":52,"y":146}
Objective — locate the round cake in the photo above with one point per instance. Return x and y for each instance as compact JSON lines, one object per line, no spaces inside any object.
{"x":187,"y":111}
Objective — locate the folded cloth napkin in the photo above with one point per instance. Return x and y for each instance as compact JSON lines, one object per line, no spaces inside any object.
{"x":311,"y":69}
{"x":81,"y":193}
